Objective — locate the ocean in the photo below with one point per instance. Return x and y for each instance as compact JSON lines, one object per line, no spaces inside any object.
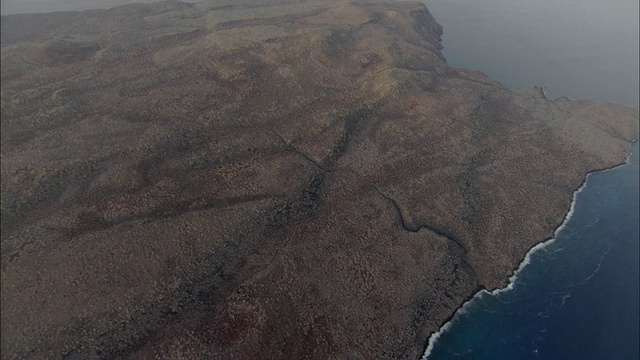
{"x":576,"y":48}
{"x":576,"y":296}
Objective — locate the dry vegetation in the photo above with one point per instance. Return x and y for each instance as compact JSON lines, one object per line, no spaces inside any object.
{"x":267,"y":179}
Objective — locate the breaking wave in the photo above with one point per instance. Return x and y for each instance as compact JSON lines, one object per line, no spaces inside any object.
{"x":513,"y":279}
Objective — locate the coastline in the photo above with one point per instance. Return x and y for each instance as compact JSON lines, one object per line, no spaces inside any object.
{"x":434,"y":337}
{"x":233,"y":188}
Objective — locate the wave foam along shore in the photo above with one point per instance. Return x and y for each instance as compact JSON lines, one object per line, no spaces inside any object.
{"x":512,"y":279}
{"x":433,"y":339}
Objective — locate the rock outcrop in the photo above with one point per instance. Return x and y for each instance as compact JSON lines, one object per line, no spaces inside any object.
{"x":267,"y":179}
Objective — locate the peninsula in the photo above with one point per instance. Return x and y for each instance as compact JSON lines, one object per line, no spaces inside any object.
{"x":267,"y":179}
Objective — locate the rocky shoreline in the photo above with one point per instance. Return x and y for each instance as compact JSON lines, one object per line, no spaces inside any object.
{"x":267,"y":179}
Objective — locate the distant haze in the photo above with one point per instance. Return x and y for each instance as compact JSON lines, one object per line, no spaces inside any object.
{"x":41,"y":6}
{"x":576,"y":48}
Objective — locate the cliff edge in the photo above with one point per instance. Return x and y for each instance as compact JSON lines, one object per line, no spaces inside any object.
{"x":267,"y":179}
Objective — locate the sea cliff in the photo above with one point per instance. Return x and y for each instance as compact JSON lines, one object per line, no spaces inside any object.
{"x":267,"y":179}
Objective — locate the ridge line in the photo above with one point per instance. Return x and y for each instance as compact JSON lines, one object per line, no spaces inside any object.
{"x":290,"y":146}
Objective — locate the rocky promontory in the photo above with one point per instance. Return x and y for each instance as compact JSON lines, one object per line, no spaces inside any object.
{"x":267,"y":179}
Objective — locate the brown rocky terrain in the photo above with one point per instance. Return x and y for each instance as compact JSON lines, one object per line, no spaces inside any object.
{"x":267,"y":179}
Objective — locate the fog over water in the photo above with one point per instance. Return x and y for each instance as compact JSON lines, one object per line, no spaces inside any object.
{"x":576,"y":48}
{"x":42,"y":6}
{"x":579,"y":49}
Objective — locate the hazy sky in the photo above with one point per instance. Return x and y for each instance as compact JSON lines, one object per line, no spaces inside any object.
{"x":577,"y":48}
{"x":39,"y":6}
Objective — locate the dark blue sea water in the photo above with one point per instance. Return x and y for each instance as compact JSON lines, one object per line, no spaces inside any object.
{"x":577,"y":296}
